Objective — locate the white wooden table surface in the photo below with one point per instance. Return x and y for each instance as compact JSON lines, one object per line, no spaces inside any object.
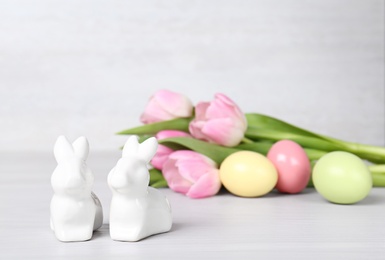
{"x":222,"y":227}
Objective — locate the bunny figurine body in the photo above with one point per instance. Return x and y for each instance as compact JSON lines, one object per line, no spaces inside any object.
{"x":137,"y":210}
{"x":75,"y":210}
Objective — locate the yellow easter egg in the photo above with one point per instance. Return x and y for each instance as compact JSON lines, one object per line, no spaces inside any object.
{"x":248,"y":174}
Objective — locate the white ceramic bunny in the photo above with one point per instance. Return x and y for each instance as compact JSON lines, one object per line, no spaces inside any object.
{"x":137,"y":210}
{"x":75,"y":209}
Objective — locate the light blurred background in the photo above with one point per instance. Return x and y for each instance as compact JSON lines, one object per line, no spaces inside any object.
{"x":88,"y":67}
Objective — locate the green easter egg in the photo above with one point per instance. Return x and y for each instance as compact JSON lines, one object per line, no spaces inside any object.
{"x":342,"y":178}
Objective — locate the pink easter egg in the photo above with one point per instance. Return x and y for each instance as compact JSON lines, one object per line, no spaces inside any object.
{"x":292,"y":164}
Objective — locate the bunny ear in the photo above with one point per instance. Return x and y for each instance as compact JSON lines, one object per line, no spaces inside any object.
{"x":81,"y":147}
{"x":147,"y":149}
{"x":62,"y":149}
{"x":131,"y":146}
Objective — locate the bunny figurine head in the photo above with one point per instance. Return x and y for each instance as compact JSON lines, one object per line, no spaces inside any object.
{"x":130,"y":175}
{"x":72,"y":175}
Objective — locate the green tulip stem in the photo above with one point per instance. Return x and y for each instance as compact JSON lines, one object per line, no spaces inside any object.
{"x":378,"y":174}
{"x":246,"y":140}
{"x":378,"y":179}
{"x":266,"y":127}
{"x":377,"y":168}
{"x":372,"y":153}
{"x":305,"y":141}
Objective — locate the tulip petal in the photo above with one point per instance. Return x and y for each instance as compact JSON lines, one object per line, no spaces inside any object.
{"x":183,"y":154}
{"x":222,"y":106}
{"x":195,"y":128}
{"x":191,"y":165}
{"x":223,"y":132}
{"x":174,"y":103}
{"x":174,"y":180}
{"x":161,"y":156}
{"x":208,"y":185}
{"x":200,"y":111}
{"x":192,"y":155}
{"x":170,"y":133}
{"x":166,"y":105}
{"x":220,"y":121}
{"x":193,"y":169}
{"x":184,"y":169}
{"x":226,"y":100}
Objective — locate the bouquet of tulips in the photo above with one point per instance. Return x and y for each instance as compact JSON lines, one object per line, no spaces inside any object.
{"x":194,"y":141}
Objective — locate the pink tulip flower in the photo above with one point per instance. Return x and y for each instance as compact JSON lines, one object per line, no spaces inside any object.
{"x":220,"y":121}
{"x":192,"y":174}
{"x":166,"y":105}
{"x":163,"y":151}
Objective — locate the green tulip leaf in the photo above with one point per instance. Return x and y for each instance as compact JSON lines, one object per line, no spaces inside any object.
{"x":180,"y":124}
{"x":259,"y":147}
{"x":216,"y":152}
{"x":306,"y":138}
{"x":305,"y":141}
{"x":267,"y":123}
{"x":160,"y":184}
{"x":155,"y":176}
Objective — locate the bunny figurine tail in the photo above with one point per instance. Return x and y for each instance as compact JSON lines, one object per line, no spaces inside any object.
{"x":137,"y":211}
{"x":75,"y":210}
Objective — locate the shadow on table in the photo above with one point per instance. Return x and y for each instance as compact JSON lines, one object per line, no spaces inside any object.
{"x":372,"y":199}
{"x":103,"y":231}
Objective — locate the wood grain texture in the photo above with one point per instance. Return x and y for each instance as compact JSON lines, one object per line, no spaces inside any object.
{"x":222,"y":227}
